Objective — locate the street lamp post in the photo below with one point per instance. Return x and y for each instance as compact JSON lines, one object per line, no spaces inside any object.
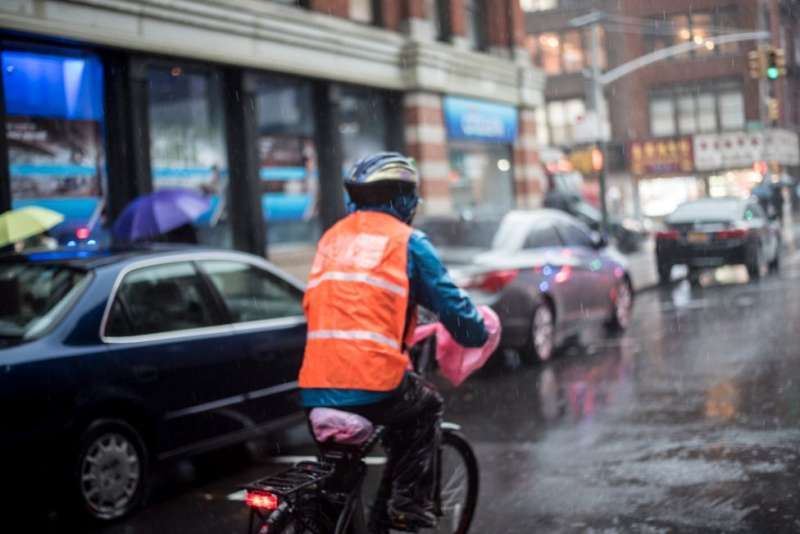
{"x":595,"y":102}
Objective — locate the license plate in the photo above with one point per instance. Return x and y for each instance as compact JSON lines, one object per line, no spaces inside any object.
{"x":697,"y":237}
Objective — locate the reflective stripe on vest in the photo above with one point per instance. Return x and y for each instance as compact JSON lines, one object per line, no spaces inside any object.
{"x":356,"y":277}
{"x":353,"y":335}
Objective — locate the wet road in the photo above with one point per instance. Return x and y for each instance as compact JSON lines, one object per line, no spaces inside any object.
{"x":689,"y":423}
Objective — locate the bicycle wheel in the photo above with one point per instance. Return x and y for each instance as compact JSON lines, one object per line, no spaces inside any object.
{"x":458,"y":484}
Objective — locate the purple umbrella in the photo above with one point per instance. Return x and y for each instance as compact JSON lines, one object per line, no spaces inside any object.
{"x":157,"y":213}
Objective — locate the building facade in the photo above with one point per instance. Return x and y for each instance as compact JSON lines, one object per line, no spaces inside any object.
{"x":263,"y":105}
{"x":691,"y":125}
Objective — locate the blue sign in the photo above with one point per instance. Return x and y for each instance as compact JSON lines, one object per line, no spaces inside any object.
{"x":63,"y":87}
{"x":476,"y":120}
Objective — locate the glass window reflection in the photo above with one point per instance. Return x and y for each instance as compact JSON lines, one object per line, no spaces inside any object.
{"x":187,"y":142}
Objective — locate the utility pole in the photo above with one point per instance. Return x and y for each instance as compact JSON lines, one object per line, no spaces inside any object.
{"x":595,"y":102}
{"x":598,"y":104}
{"x":776,"y":98}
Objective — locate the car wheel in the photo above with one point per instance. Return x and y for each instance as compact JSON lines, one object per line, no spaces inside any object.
{"x":541,"y":344}
{"x":664,"y":274}
{"x":110,"y":471}
{"x":621,"y":307}
{"x":755,"y":264}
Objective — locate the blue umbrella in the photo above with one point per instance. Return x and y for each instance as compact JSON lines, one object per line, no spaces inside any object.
{"x":157,"y":213}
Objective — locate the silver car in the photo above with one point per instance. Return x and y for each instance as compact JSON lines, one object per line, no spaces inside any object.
{"x":544,"y":272}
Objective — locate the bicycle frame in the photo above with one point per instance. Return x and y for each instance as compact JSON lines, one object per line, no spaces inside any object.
{"x":336,"y":480}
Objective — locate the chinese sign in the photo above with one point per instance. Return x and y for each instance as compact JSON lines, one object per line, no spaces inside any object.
{"x":662,"y":156}
{"x":742,"y":149}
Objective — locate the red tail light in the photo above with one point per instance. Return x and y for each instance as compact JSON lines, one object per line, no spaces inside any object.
{"x":82,"y":232}
{"x":494,"y":281}
{"x":262,"y":500}
{"x":736,"y":233}
{"x":668,"y":235}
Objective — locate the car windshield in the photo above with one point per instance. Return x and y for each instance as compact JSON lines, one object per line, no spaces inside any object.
{"x":35,"y":297}
{"x":707,"y":210}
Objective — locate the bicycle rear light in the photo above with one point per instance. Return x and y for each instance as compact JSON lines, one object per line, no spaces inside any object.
{"x":262,"y":500}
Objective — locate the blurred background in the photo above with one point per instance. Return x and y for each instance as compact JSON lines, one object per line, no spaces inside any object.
{"x":262,"y":105}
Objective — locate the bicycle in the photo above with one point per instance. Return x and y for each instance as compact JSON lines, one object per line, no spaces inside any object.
{"x":325,"y":496}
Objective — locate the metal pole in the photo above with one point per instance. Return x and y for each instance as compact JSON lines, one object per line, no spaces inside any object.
{"x":597,"y":100}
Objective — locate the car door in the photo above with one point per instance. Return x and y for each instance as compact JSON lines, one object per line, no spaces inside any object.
{"x":267,"y":315}
{"x":558,"y":270}
{"x":166,"y":335}
{"x":589,"y":281}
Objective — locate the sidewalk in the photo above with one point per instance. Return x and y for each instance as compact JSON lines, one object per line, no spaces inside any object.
{"x":642,"y":263}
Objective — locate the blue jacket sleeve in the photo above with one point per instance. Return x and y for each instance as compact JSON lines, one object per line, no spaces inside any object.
{"x":432,"y":287}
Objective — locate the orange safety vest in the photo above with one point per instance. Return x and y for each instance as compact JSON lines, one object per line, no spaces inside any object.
{"x":356,"y":304}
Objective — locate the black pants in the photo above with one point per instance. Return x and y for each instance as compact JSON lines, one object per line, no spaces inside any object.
{"x":412,"y":418}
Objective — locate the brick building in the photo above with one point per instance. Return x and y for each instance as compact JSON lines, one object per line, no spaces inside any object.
{"x":678,"y":126}
{"x":263,"y":105}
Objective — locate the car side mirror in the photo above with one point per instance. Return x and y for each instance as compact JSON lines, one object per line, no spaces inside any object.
{"x":599,"y":241}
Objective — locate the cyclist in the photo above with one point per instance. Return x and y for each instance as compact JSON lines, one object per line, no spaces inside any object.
{"x":370,"y":272}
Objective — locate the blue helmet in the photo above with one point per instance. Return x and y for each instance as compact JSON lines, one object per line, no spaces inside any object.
{"x":382,"y":177}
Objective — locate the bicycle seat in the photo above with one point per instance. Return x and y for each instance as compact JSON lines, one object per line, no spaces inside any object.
{"x":337,"y":426}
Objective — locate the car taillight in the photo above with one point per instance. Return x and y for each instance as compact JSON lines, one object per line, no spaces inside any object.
{"x":494,"y":281}
{"x":735,"y":233}
{"x":668,"y":235}
{"x":262,"y":500}
{"x":82,"y":232}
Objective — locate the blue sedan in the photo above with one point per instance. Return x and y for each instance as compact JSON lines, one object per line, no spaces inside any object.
{"x":126,"y":358}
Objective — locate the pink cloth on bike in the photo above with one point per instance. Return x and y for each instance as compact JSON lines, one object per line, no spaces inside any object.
{"x":456,"y":362}
{"x":342,"y":427}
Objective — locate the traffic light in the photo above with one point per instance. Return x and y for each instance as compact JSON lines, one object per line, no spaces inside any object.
{"x":758,"y":63}
{"x":776,"y":63}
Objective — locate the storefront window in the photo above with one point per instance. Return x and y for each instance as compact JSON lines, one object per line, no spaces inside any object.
{"x":287,"y":160}
{"x":363,"y":124}
{"x":480,"y":138}
{"x":187,"y":143}
{"x":54,"y":130}
{"x":481,"y":179}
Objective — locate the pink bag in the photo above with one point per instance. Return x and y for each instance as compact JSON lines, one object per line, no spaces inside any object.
{"x":456,"y":363}
{"x":339,"y":426}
